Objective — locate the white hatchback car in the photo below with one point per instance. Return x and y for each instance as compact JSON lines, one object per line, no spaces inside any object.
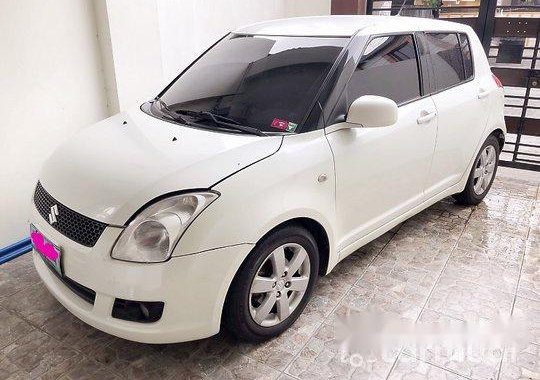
{"x":284,"y":148}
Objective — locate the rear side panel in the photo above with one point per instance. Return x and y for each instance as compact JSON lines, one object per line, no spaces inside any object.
{"x":463,"y":113}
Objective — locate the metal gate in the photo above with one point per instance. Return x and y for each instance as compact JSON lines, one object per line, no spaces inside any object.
{"x":510,"y":33}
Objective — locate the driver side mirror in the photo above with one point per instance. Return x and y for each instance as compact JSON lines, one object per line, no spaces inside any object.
{"x":370,"y":111}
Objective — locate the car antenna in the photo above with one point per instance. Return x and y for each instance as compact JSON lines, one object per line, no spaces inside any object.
{"x":401,"y":8}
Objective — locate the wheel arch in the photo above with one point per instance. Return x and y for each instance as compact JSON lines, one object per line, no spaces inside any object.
{"x":498,"y":133}
{"x":317,"y":231}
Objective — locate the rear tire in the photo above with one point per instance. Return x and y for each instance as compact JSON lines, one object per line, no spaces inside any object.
{"x":261,"y":303}
{"x":482,"y":173}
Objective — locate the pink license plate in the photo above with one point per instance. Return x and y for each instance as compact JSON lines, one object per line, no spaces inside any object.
{"x":49,"y":252}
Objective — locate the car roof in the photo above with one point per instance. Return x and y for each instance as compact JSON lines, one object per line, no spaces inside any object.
{"x":347,"y":26}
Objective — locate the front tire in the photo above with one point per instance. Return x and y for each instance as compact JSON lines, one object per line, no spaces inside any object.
{"x":273,"y":285}
{"x":482,"y":173}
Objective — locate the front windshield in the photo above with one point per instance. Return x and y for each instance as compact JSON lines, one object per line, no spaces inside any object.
{"x":263,"y":82}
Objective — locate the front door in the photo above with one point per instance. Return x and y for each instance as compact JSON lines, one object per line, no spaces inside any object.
{"x":381,"y":172}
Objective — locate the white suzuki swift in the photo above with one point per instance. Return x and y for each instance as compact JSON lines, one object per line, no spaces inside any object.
{"x":281,"y":150}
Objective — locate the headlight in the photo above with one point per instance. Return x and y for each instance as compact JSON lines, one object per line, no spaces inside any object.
{"x":152,"y":236}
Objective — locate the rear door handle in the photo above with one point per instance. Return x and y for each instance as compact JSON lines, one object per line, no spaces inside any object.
{"x":482,"y":94}
{"x":425,"y":117}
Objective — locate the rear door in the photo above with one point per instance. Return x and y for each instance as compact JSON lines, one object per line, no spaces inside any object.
{"x":462,"y":106}
{"x":380,"y":172}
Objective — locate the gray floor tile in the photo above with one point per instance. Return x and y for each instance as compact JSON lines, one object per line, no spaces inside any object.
{"x":16,"y":275}
{"x":452,"y":348}
{"x":325,"y":358}
{"x":528,"y":313}
{"x":415,"y":252}
{"x":34,"y":303}
{"x":469,"y":301}
{"x":492,"y":242}
{"x":483,"y":269}
{"x":529,"y":283}
{"x":279,"y":352}
{"x":521,"y":363}
{"x":37,"y":353}
{"x":367,"y":297}
{"x":12,"y":327}
{"x":411,"y":368}
{"x":239,"y":367}
{"x":71,"y":331}
{"x":514,"y":187}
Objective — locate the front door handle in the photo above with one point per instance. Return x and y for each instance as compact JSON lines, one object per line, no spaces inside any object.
{"x":425,"y":117}
{"x":482,"y":94}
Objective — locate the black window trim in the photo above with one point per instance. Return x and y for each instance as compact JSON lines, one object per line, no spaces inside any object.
{"x":354,"y":52}
{"x":316,"y":103}
{"x":424,"y":82}
{"x":462,"y":61}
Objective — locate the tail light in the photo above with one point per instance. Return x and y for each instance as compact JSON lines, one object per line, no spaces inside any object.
{"x":497,"y":80}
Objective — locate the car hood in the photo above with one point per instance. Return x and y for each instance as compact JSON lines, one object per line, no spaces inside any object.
{"x":111,"y":169}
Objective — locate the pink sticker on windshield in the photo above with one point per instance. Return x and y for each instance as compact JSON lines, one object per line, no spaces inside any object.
{"x":279,"y":124}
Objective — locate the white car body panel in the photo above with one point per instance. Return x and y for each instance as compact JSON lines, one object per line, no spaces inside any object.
{"x":352,"y":183}
{"x":256,"y":202}
{"x":139,"y":162}
{"x":380,"y":172}
{"x":196,"y":317}
{"x":346,"y":26}
{"x":474,"y":101}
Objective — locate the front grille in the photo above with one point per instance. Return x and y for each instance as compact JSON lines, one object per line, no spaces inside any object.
{"x":69,"y":223}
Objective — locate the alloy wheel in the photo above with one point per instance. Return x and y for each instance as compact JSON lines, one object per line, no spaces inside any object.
{"x":484,"y":170}
{"x":279,"y":285}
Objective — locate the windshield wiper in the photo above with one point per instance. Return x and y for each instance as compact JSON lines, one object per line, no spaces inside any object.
{"x":167,"y":111}
{"x":221,"y":121}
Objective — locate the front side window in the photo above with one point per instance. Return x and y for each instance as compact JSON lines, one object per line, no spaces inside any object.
{"x":445,"y":54}
{"x":264,"y":82}
{"x":387,"y":68}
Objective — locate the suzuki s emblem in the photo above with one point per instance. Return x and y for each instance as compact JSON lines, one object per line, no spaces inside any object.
{"x":53,"y":214}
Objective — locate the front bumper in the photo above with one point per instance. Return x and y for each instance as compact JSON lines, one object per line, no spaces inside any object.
{"x":193,"y":287}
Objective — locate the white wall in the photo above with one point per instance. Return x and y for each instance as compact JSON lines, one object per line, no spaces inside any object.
{"x":189,"y":30}
{"x":297,"y":8}
{"x":136,"y":52}
{"x":51,"y":84}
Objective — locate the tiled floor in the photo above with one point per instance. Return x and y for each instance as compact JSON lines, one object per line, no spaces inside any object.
{"x":470,"y":271}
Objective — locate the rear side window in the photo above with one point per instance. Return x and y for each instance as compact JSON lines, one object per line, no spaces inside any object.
{"x":387,"y":68}
{"x":467,"y":57}
{"x":445,"y":53}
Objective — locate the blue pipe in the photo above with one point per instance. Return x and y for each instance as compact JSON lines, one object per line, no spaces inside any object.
{"x":15,"y":250}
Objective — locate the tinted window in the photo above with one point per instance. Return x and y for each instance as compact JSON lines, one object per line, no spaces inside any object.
{"x":266,"y":82}
{"x":387,"y":68}
{"x":466,"y":53}
{"x":445,"y":53}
